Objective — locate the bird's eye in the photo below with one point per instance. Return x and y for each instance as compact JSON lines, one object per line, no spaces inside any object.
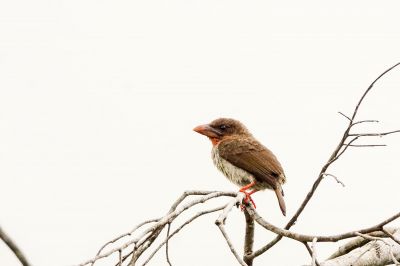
{"x":222,"y":127}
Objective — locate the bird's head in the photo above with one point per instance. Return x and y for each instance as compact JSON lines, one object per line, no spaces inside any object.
{"x":222,"y":128}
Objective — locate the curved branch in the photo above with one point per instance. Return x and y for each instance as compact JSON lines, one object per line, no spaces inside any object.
{"x":14,"y":248}
{"x":369,"y":88}
{"x":310,"y":238}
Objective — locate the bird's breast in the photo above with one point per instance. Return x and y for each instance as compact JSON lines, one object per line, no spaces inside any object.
{"x":235,"y":174}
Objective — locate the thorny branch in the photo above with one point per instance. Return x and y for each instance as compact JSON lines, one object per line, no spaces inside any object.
{"x":141,"y":238}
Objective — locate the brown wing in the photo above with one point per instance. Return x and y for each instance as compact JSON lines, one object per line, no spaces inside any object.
{"x":252,"y":156}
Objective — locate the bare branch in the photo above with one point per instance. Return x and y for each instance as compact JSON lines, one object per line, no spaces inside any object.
{"x":230,"y":244}
{"x":345,"y":116}
{"x":341,"y":151}
{"x":248,"y":238}
{"x":14,"y":248}
{"x":310,"y":238}
{"x":221,"y":221}
{"x":365,"y":121}
{"x":369,"y":88}
{"x":334,"y":156}
{"x":174,"y":212}
{"x":337,"y":179}
{"x":147,"y":237}
{"x":309,"y":250}
{"x":166,"y":245}
{"x":365,"y":145}
{"x":180,"y":227}
{"x":374,"y":134}
{"x":124,"y":235}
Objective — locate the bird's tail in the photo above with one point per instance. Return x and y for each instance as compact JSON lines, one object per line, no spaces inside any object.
{"x":279,"y":195}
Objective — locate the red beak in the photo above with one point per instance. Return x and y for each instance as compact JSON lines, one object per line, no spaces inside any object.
{"x":208,"y":131}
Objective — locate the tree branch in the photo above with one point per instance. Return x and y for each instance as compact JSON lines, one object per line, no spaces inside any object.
{"x":310,"y":238}
{"x":167,"y":246}
{"x":310,"y":252}
{"x":14,"y":248}
{"x":334,"y":156}
{"x":248,"y":238}
{"x":221,"y":221}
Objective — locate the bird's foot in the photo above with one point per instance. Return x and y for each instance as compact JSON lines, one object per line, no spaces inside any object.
{"x":246,"y":201}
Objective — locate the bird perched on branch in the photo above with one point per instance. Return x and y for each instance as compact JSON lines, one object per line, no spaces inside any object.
{"x":244,"y":160}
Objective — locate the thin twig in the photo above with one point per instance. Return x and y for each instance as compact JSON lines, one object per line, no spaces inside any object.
{"x":348,"y":118}
{"x":147,"y":237}
{"x":175,"y":212}
{"x":166,"y":245}
{"x":373,"y":134}
{"x":125,"y":235}
{"x":230,"y":244}
{"x":369,"y":88}
{"x":335,"y":177}
{"x":310,"y":252}
{"x":365,"y":121}
{"x":365,"y":145}
{"x":14,"y":248}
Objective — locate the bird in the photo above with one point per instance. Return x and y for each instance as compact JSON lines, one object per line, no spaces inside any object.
{"x":243,"y":159}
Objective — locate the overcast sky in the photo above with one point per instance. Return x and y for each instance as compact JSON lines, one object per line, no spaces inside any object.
{"x":98,"y":100}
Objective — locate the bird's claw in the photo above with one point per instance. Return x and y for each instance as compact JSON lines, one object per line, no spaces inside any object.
{"x":246,"y":201}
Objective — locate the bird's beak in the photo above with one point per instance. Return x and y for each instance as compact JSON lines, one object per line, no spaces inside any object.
{"x":208,"y":131}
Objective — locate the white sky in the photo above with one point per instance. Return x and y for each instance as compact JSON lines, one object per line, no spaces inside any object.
{"x":98,"y":100}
